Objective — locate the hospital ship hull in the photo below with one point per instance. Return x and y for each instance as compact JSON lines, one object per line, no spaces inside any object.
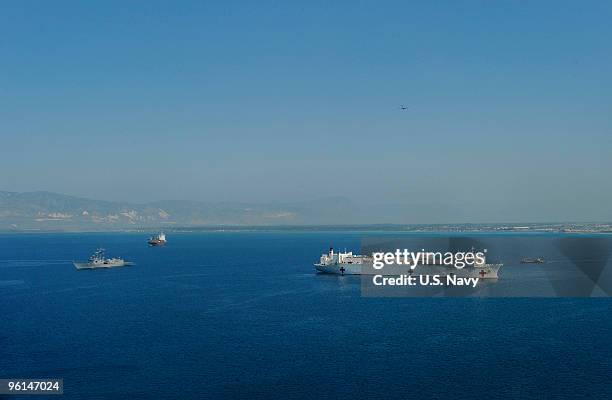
{"x":349,"y":264}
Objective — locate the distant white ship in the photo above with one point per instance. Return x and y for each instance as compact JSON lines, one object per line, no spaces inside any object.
{"x":98,"y":260}
{"x":157,"y":240}
{"x":348,"y":263}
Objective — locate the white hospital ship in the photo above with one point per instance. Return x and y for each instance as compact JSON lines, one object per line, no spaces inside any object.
{"x":348,"y":263}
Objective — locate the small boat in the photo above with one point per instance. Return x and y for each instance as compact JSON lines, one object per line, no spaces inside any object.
{"x":528,"y":260}
{"x":157,"y":240}
{"x":98,"y":260}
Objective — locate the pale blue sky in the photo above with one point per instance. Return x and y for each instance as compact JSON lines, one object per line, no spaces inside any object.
{"x":271,"y":101}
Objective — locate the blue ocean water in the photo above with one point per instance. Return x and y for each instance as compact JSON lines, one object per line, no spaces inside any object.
{"x":242,"y":314}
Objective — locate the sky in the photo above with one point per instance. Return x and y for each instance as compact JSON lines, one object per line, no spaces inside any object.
{"x":509,"y":104}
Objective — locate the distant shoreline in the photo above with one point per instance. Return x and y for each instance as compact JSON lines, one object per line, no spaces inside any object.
{"x":526,"y":228}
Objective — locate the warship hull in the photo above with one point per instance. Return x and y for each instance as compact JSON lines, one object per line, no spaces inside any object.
{"x":88,"y":265}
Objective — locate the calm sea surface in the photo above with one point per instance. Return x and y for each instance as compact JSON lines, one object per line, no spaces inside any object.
{"x":243,"y":315}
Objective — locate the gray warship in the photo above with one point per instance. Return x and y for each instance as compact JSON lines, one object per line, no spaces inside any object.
{"x":98,"y":260}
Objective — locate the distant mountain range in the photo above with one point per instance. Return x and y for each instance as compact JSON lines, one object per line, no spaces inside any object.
{"x":51,"y":211}
{"x":46,"y":211}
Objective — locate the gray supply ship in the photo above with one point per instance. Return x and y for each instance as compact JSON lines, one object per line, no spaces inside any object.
{"x":98,"y":260}
{"x":348,"y":263}
{"x":158,"y":240}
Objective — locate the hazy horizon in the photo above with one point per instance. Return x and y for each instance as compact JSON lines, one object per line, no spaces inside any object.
{"x":507,"y":119}
{"x":49,"y":210}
